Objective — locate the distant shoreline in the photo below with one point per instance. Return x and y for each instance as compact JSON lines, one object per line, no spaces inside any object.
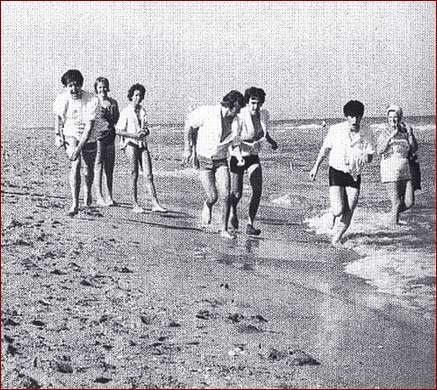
{"x":273,"y":122}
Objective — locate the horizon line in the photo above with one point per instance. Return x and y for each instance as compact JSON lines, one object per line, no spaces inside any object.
{"x":276,"y":121}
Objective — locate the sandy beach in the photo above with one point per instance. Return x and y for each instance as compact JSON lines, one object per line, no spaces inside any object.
{"x":111,"y":299}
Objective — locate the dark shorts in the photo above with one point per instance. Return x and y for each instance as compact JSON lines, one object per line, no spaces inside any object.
{"x":90,"y":147}
{"x":107,"y":137}
{"x":248,"y":161}
{"x":343,"y":179}
{"x":209,"y":164}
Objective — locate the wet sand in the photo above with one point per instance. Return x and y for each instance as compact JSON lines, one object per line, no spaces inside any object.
{"x":112,"y":299}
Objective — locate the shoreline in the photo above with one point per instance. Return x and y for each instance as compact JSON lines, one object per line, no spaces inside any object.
{"x":224,"y":279}
{"x":275,"y":122}
{"x":113,"y":299}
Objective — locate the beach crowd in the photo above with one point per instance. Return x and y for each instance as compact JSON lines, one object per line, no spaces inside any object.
{"x":223,"y":143}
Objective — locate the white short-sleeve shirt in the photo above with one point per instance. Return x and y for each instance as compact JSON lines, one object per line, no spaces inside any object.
{"x":76,"y":112}
{"x":347,"y":147}
{"x":209,"y":121}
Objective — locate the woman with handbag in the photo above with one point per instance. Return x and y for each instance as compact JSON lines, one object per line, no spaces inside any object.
{"x":396,"y":143}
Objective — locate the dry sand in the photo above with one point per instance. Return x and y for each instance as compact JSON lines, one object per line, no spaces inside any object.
{"x":110,"y":299}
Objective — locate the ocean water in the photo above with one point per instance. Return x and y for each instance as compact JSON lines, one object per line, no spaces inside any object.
{"x":399,"y":262}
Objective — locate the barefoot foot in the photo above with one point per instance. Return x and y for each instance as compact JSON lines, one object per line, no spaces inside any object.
{"x":158,"y":208}
{"x":73,"y":211}
{"x":101,"y":202}
{"x":138,"y":210}
{"x":206,"y":214}
{"x":234,"y":222}
{"x":226,"y":234}
{"x":331,"y":221}
{"x":111,"y":202}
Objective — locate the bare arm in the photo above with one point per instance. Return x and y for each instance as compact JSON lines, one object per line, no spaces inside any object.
{"x":322,"y":155}
{"x":130,"y":135}
{"x":382,"y":147}
{"x":271,"y":141}
{"x":115,"y":113}
{"x":144,"y":127}
{"x":412,"y":140}
{"x":59,"y":132}
{"x":189,"y":141}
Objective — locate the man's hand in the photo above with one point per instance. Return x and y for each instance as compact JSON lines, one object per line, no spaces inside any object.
{"x":236,"y":141}
{"x":256,"y":146}
{"x":75,"y":154}
{"x":313,"y":172}
{"x":187,"y":155}
{"x":59,"y":141}
{"x":273,"y":144}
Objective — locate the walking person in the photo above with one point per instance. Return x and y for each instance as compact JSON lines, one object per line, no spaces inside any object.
{"x":215,"y":128}
{"x":254,"y":131}
{"x":349,"y":147}
{"x":396,"y":143}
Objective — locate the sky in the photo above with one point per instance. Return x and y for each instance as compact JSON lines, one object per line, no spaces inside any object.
{"x":309,"y":57}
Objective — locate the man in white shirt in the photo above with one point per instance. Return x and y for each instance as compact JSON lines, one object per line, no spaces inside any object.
{"x":349,"y":148}
{"x":214,"y":129}
{"x":75,"y":113}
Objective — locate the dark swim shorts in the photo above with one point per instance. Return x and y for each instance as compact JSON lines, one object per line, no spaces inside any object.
{"x":248,"y":161}
{"x":343,"y":179}
{"x":107,"y":137}
{"x":90,"y":147}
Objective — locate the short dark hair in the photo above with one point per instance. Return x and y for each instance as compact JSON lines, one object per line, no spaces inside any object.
{"x":71,"y":75}
{"x":136,"y":87}
{"x":101,"y":80}
{"x":353,"y":108}
{"x":254,"y":92}
{"x":231,"y":98}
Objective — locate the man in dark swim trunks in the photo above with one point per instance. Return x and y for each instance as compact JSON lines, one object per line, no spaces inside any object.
{"x":254,"y":132}
{"x":349,"y":147}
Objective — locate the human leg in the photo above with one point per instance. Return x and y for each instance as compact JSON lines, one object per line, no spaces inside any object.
{"x":223,"y":187}
{"x":150,"y":185}
{"x":132,"y":151}
{"x":74,"y":176}
{"x":109,"y":163}
{"x":236,"y":193}
{"x":98,"y":173}
{"x":89,"y":157}
{"x":339,"y":181}
{"x":337,"y":197}
{"x":350,"y":197}
{"x":395,"y":194}
{"x":409,"y":197}
{"x":207,"y":178}
{"x":255,"y":179}
{"x":75,"y":181}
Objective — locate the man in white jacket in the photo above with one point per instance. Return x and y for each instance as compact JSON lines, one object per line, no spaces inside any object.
{"x":217,"y":127}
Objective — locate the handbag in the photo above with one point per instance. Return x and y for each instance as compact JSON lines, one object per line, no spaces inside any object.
{"x":416,"y":175}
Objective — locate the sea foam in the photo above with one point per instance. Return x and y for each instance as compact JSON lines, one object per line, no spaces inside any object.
{"x":390,"y":259}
